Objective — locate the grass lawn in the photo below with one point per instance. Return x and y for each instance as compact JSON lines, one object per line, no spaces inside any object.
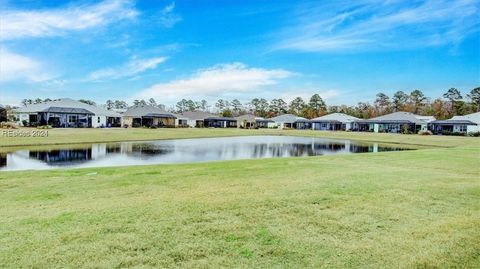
{"x":407,"y":209}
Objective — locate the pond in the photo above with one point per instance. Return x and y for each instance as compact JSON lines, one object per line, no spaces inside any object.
{"x":180,"y":151}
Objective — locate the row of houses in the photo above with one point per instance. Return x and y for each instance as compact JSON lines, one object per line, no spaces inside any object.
{"x":72,"y":113}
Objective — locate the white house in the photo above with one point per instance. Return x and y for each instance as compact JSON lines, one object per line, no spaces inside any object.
{"x":458,"y":124}
{"x":333,"y":122}
{"x":289,"y":121}
{"x":397,"y":122}
{"x":66,"y":113}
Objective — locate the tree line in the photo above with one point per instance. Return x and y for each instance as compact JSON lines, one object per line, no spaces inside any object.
{"x":451,"y":103}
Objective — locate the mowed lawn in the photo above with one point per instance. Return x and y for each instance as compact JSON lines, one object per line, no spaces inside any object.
{"x":409,"y":209}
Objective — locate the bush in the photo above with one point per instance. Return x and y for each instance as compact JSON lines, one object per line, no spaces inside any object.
{"x":452,"y":133}
{"x":405,"y":129}
{"x":153,"y":127}
{"x":8,"y":125}
{"x":474,"y":134}
{"x":427,"y":132}
{"x":44,"y":127}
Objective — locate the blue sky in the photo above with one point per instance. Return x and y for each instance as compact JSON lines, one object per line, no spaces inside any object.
{"x":347,"y":51}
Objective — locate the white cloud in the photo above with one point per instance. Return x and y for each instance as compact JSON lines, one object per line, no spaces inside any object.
{"x":217,"y":80}
{"x":132,"y":68}
{"x":167,"y":16}
{"x":373,"y":24}
{"x":21,"y":24}
{"x":17,"y":67}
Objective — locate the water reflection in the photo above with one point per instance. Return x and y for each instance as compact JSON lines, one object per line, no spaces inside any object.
{"x":181,"y":151}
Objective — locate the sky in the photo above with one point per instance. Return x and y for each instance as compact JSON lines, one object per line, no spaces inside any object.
{"x":346,"y":51}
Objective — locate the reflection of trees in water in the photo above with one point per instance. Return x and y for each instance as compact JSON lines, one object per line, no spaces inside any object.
{"x":62,"y":156}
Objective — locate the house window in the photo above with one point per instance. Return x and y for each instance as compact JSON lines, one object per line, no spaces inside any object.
{"x":98,"y":119}
{"x":72,"y":119}
{"x":463,"y":128}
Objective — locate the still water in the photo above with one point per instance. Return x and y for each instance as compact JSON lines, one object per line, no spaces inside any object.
{"x":180,"y":151}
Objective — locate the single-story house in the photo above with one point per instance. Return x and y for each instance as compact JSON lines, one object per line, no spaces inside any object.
{"x":458,"y":124}
{"x":148,"y":116}
{"x":249,"y":121}
{"x":291,"y":121}
{"x":220,"y":122}
{"x":181,"y":121}
{"x":196,"y":118}
{"x":66,"y":113}
{"x":397,"y":122}
{"x":3,"y":113}
{"x":333,"y":122}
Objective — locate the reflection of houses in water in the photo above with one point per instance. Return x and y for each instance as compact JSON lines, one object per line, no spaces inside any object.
{"x":3,"y":160}
{"x":62,"y":156}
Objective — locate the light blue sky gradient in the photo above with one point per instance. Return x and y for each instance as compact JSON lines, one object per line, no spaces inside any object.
{"x":347,"y":51}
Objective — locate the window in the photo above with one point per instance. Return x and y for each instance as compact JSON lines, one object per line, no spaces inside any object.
{"x":98,"y":119}
{"x":463,"y":128}
{"x":72,"y":118}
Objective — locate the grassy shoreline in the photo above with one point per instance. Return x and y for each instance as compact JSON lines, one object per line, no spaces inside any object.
{"x":405,"y":209}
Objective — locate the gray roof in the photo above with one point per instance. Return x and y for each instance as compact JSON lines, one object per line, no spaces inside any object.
{"x":197,"y":115}
{"x":397,"y":117}
{"x":470,"y":119}
{"x":220,"y":118}
{"x":289,"y":118}
{"x":335,"y":117}
{"x":147,"y":111}
{"x":248,"y":117}
{"x":2,"y":107}
{"x":66,"y":104}
{"x":474,"y":117}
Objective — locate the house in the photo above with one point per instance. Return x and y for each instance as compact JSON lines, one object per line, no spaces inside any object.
{"x":333,"y":122}
{"x":148,"y":116}
{"x":458,"y":124}
{"x":291,"y":121}
{"x":3,"y":113}
{"x":397,"y":122}
{"x":249,"y":121}
{"x":196,"y":118}
{"x":220,"y":122}
{"x":181,"y":121}
{"x":66,"y":113}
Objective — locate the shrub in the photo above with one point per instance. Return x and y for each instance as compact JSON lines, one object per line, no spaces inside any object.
{"x":153,"y":127}
{"x":427,"y":132}
{"x":405,"y":129}
{"x":474,"y":134}
{"x":44,"y":127}
{"x":8,"y":125}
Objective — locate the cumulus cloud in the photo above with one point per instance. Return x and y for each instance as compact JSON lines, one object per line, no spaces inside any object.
{"x":216,"y":80}
{"x":132,"y":68}
{"x":374,"y":24}
{"x":18,"y":67}
{"x":53,"y":22}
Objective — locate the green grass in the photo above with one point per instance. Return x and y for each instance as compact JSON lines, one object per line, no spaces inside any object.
{"x":408,"y":209}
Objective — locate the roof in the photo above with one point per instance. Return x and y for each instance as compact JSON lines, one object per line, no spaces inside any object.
{"x":147,"y":111}
{"x":2,"y":107}
{"x":65,"y":104}
{"x":474,"y":117}
{"x":220,"y":118}
{"x":335,"y":117}
{"x":197,"y":115}
{"x":249,"y":117}
{"x":290,"y":118}
{"x":470,"y":119}
{"x":398,"y":117}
